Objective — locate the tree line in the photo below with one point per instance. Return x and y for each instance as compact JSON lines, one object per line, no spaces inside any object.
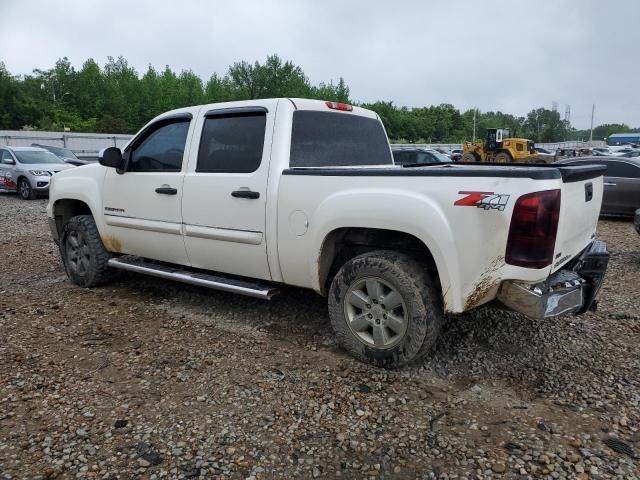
{"x":114,"y":98}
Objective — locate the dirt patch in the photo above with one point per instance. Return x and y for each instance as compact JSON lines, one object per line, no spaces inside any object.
{"x":151,"y":379}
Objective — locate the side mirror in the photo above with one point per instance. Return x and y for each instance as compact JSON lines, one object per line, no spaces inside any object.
{"x":9,"y":161}
{"x":111,"y":157}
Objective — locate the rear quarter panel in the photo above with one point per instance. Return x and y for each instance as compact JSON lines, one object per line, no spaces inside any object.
{"x":467,"y":242}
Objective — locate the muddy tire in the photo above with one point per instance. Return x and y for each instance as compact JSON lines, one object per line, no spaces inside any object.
{"x":385,"y":308}
{"x":469,"y":158}
{"x":85,"y":258}
{"x":504,"y":157}
{"x":25,"y":190}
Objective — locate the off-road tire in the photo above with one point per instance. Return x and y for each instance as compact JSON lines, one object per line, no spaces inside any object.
{"x":503,"y":157}
{"x":96,"y":270}
{"x":25,"y":190}
{"x":409,"y":278}
{"x":469,"y":158}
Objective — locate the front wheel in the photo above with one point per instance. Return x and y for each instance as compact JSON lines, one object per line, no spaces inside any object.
{"x":85,"y":258}
{"x":26,"y":190}
{"x":469,"y":158}
{"x":385,"y":309}
{"x":504,"y":157}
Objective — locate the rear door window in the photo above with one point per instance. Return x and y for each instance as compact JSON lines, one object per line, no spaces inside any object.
{"x":232,"y":143}
{"x":332,"y":139}
{"x":404,"y":158}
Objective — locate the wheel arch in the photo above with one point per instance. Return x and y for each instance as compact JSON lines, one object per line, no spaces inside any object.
{"x":66,"y":208}
{"x":344,"y":243}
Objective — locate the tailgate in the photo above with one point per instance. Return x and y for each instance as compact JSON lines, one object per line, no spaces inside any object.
{"x":581,"y":198}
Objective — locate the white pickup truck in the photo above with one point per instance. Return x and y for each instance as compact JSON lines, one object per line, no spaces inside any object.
{"x":245,"y":196}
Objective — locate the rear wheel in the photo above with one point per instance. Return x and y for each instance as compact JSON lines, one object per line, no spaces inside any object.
{"x":85,"y":258}
{"x":26,"y":190}
{"x":385,"y":309}
{"x":504,"y":157}
{"x":469,"y":157}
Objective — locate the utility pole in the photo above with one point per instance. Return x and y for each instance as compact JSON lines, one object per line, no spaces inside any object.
{"x":474,"y":125}
{"x":593,"y":109}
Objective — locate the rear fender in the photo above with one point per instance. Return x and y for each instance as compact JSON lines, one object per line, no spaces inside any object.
{"x":387,"y":210}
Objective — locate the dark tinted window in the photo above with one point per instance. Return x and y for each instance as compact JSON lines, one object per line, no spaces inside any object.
{"x":232,"y":143}
{"x":621,"y":169}
{"x":331,"y":139}
{"x":402,"y":157}
{"x":160,"y":149}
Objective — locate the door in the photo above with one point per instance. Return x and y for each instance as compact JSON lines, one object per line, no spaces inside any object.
{"x":142,"y":205}
{"x":621,"y":188}
{"x":225,"y":190}
{"x":7,"y":170}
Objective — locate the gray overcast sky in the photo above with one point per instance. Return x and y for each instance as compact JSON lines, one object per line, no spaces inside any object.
{"x":506,"y":55}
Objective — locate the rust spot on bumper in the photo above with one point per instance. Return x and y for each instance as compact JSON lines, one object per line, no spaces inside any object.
{"x":111,"y":243}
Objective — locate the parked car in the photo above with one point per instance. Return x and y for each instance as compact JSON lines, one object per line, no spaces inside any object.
{"x":232,"y":197}
{"x":631,"y":154}
{"x":456,"y":155}
{"x":601,"y":152}
{"x":64,"y":154}
{"x":28,"y":170}
{"x":621,"y":183}
{"x":417,"y":156}
{"x":544,"y":155}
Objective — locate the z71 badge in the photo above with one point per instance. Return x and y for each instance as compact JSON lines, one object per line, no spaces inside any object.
{"x":486,"y":200}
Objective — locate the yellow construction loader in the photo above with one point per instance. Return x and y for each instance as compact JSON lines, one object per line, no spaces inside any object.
{"x":500,"y":147}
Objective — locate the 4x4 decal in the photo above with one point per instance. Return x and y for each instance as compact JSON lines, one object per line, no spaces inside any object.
{"x":485,"y":200}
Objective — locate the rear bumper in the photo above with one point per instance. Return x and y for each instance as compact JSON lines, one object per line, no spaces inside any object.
{"x":570,"y":290}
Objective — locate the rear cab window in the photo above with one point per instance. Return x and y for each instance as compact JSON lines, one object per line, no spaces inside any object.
{"x":332,"y":139}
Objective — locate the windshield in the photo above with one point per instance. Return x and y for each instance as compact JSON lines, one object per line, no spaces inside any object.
{"x":61,"y":152}
{"x":440,"y":156}
{"x":34,"y":157}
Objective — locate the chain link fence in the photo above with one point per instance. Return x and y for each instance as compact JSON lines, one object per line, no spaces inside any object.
{"x":84,"y":145}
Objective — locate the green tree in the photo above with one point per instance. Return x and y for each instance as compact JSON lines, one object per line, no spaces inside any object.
{"x":542,"y":125}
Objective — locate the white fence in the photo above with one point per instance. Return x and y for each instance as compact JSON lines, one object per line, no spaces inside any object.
{"x":84,"y":145}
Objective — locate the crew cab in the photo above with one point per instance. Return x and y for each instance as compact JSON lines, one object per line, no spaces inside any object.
{"x":246,"y":196}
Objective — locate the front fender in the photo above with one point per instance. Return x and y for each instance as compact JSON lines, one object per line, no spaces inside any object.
{"x":83,"y":184}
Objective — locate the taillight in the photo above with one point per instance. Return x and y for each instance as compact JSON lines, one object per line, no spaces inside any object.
{"x":534,"y":225}
{"x":339,"y":106}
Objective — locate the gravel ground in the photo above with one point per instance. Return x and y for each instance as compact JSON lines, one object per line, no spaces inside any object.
{"x":150,"y":379}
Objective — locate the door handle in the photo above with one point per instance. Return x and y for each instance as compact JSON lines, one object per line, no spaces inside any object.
{"x":167,"y":190}
{"x":245,"y":194}
{"x":609,"y":184}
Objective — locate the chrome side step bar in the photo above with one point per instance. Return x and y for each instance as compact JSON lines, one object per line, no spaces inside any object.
{"x":243,"y":287}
